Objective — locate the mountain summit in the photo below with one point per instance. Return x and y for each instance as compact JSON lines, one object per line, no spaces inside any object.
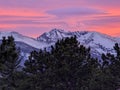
{"x":23,"y":39}
{"x":53,"y":36}
{"x":99,"y":43}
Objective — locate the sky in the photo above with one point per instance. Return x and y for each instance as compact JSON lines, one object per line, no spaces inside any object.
{"x":34,"y":17}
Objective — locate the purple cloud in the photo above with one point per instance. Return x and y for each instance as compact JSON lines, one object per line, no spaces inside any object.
{"x":105,"y":3}
{"x":12,"y":16}
{"x":104,"y":20}
{"x":36,"y":4}
{"x":31,"y":22}
{"x":75,"y":11}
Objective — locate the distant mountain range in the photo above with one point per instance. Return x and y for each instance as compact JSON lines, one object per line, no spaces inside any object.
{"x":99,"y":43}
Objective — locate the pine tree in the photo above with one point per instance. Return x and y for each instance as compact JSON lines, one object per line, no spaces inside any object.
{"x":110,"y":70}
{"x":67,"y":66}
{"x":72,"y":65}
{"x":9,"y":62}
{"x":36,"y":67}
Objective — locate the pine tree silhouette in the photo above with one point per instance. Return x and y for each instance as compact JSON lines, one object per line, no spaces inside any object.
{"x":9,"y":62}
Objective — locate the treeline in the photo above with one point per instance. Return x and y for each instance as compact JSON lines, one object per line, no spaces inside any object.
{"x":68,"y":66}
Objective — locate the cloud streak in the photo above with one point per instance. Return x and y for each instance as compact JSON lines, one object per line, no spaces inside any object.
{"x":76,"y":11}
{"x":105,"y":20}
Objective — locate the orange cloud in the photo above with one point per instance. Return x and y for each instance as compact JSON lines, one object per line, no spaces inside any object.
{"x":7,"y":26}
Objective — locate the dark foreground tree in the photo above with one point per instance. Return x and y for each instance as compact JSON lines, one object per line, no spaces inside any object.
{"x":36,"y":69}
{"x":9,"y":63}
{"x":68,"y":66}
{"x":73,"y":65}
{"x":111,"y":68}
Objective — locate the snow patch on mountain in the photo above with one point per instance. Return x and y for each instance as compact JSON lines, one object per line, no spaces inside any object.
{"x":53,"y":36}
{"x":27,"y":40}
{"x":99,"y":43}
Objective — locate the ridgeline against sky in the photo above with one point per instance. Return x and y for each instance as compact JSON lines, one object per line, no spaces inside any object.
{"x":33,"y":17}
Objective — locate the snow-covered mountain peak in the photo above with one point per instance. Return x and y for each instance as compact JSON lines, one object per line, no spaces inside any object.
{"x":9,"y":33}
{"x":57,"y":30}
{"x":99,"y":43}
{"x":53,"y":35}
{"x":56,"y":34}
{"x":24,"y":39}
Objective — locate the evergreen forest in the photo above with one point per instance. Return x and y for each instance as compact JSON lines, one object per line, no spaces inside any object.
{"x":67,"y":66}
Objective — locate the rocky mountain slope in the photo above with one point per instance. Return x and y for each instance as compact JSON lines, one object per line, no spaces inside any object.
{"x":99,"y":43}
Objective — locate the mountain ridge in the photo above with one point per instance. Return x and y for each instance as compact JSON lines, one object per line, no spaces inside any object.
{"x":98,"y":42}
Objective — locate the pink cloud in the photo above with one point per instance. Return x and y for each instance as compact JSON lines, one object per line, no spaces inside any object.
{"x":34,"y":16}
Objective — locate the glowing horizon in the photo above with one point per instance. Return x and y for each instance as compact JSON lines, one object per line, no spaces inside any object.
{"x":33,"y":18}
